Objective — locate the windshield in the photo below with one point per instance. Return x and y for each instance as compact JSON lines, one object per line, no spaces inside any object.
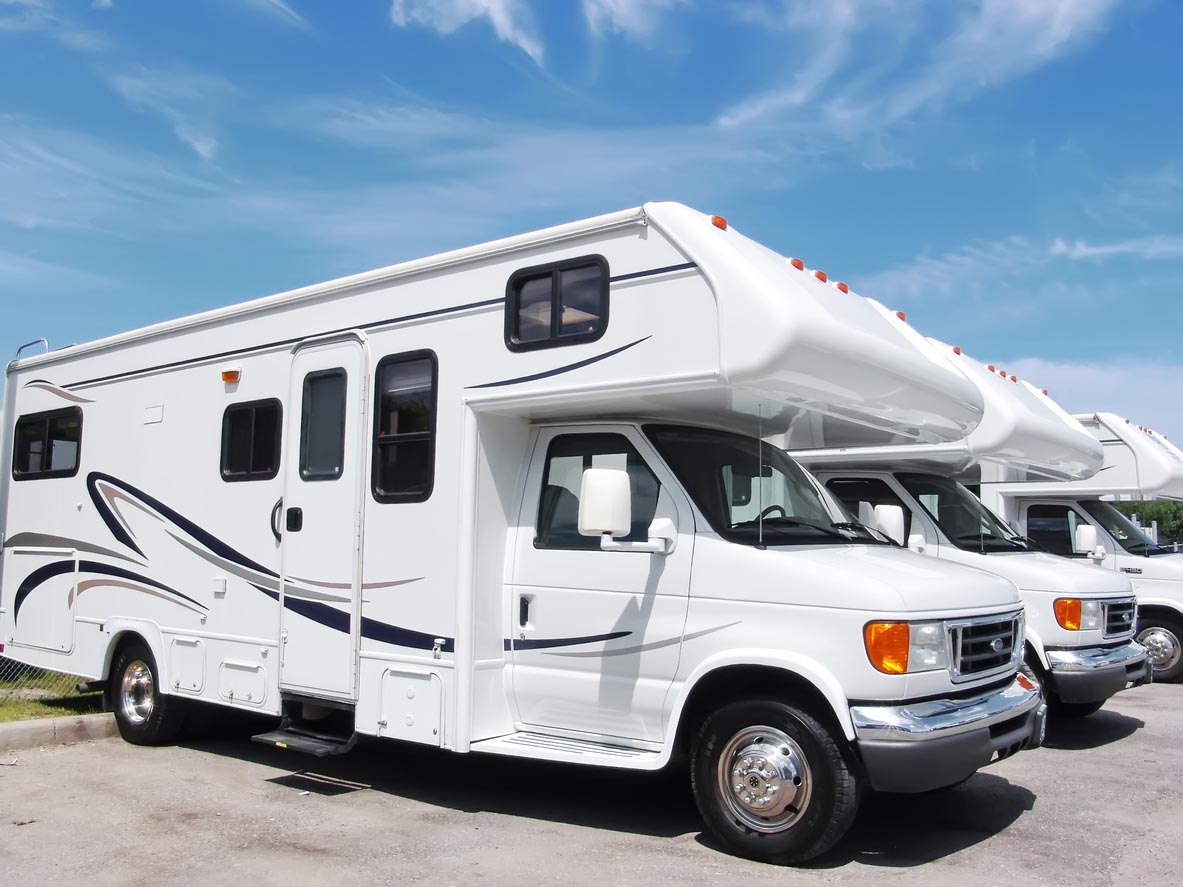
{"x":742,"y":502}
{"x":960,"y":514}
{"x":1124,"y":532}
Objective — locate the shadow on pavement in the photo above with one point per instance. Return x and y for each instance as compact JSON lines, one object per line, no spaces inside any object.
{"x":1094,"y":731}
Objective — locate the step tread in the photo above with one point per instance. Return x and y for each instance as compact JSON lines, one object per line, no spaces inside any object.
{"x":559,"y":748}
{"x":319,"y":745}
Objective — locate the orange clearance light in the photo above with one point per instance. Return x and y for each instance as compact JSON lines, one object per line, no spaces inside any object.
{"x":1127,"y":421}
{"x":820,"y":275}
{"x":956,"y":350}
{"x":990,"y":367}
{"x":887,"y":646}
{"x":901,"y":315}
{"x":1014,"y":378}
{"x":231,"y":375}
{"x":1068,"y":613}
{"x":1045,"y":391}
{"x":1002,"y":373}
{"x":1025,"y":682}
{"x":719,"y":222}
{"x":798,"y":264}
{"x":843,"y":287}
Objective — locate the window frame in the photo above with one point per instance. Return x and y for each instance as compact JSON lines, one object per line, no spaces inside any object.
{"x":252,"y":405}
{"x":46,"y":416}
{"x":305,"y":474}
{"x":554,"y":271}
{"x":376,"y":443}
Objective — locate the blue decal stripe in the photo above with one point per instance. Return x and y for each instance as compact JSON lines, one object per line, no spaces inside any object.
{"x":563,"y":369}
{"x":58,"y":568}
{"x":549,"y":643}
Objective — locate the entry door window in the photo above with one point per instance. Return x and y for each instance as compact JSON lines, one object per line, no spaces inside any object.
{"x":1054,"y":527}
{"x":322,"y":425}
{"x":567,"y":458}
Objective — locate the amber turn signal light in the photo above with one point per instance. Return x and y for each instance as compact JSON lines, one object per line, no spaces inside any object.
{"x":887,"y":646}
{"x":1068,"y":613}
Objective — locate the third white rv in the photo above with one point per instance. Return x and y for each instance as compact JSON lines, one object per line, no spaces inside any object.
{"x":515,"y":500}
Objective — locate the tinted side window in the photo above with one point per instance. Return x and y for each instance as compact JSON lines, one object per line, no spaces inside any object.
{"x":250,"y":440}
{"x":404,"y":427}
{"x":566,"y":460}
{"x":1053,"y":527}
{"x":47,"y":444}
{"x":853,"y":491}
{"x":559,"y":304}
{"x":322,"y":425}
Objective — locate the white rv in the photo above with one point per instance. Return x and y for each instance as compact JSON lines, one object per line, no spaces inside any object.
{"x":514,"y":500}
{"x":1138,"y":464}
{"x":1080,"y":619}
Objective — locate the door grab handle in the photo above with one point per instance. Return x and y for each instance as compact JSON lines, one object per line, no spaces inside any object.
{"x":275,"y":520}
{"x":523,"y":611}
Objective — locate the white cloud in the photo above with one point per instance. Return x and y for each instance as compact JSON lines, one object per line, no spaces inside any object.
{"x":102,"y":4}
{"x":982,"y":264}
{"x":280,"y":11}
{"x":21,"y":274}
{"x":187,"y":99}
{"x":1156,"y":246}
{"x":1127,"y":386}
{"x":40,"y":17}
{"x":638,"y":19}
{"x":510,"y":19}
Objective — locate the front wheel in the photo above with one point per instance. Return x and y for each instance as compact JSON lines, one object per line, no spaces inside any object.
{"x":1058,"y":709}
{"x":145,"y":716}
{"x":1163,"y":637}
{"x":771,"y":782}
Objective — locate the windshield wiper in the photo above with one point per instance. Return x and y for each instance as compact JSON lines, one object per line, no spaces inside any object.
{"x":791,"y":522}
{"x":859,"y":525}
{"x":983,"y":538}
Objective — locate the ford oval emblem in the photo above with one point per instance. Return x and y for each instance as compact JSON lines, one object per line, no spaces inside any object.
{"x":996,"y":645}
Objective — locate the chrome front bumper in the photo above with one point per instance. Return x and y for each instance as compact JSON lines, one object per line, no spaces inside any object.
{"x":920,"y":746}
{"x":1094,"y":674}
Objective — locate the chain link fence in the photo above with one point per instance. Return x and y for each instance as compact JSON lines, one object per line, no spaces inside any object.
{"x":28,"y":692}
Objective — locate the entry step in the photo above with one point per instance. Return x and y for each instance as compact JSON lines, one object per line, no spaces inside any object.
{"x":320,"y":745}
{"x":541,"y":746}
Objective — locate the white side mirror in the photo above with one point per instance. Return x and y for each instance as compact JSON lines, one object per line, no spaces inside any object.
{"x":917,"y":543}
{"x":890,"y":521}
{"x":1085,"y":541}
{"x":605,"y":503}
{"x":1099,"y":553}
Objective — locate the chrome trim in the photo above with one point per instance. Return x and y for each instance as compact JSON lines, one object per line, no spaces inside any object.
{"x":953,"y":629}
{"x":1093,"y":658}
{"x":1132,"y":603}
{"x":918,"y":721}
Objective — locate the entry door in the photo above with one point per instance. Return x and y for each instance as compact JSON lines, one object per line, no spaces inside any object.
{"x":596,"y":635}
{"x":321,"y":523}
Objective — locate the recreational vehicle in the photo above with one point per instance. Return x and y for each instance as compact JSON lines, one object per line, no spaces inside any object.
{"x":1139,"y":464}
{"x":515,"y":500}
{"x":1080,"y":618}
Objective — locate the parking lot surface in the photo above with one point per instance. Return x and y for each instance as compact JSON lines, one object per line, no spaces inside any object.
{"x":1101,"y":805}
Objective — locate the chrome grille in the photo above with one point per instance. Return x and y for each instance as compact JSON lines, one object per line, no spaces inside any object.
{"x":1119,"y":617}
{"x":986,"y":645}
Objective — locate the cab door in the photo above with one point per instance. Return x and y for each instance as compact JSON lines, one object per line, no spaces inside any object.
{"x":596,"y":635}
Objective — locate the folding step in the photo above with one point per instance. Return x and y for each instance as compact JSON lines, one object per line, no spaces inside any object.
{"x":543,"y":747}
{"x":319,"y":745}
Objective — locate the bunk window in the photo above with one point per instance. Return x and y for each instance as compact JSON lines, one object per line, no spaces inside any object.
{"x":564,"y":303}
{"x":322,"y":425}
{"x":404,"y":427}
{"x":47,"y":444}
{"x":250,"y":440}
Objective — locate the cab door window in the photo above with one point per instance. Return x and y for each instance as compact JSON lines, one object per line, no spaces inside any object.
{"x":854,"y":491}
{"x":1054,"y":527}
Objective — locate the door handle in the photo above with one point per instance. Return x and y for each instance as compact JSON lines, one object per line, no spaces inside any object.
{"x":295,"y":520}
{"x":523,"y":611}
{"x":275,"y":520}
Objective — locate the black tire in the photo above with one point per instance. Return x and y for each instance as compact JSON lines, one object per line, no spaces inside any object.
{"x":1164,"y":636}
{"x":145,"y":715}
{"x":1058,"y":709}
{"x":817,"y":776}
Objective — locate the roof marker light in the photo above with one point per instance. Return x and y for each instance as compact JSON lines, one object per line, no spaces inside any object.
{"x":719,"y":222}
{"x":1014,"y":378}
{"x":798,"y":264}
{"x":956,"y":349}
{"x":1045,"y":391}
{"x":843,"y":287}
{"x":990,"y":367}
{"x":901,"y":315}
{"x":820,"y":275}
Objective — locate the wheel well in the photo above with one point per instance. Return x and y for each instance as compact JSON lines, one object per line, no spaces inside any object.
{"x":735,"y":682}
{"x":121,"y":640}
{"x":1160,"y":612}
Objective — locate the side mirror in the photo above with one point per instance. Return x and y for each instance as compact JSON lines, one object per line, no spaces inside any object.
{"x":1099,"y":553}
{"x":605,"y":503}
{"x":917,"y":543}
{"x":890,"y":521}
{"x":1085,"y":541}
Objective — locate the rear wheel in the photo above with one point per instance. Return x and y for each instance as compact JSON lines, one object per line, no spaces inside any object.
{"x":145,"y":716}
{"x":1163,"y":637}
{"x":771,"y":782}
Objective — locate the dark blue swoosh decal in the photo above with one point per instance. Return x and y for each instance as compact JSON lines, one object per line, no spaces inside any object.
{"x":560,"y":370}
{"x":548,"y":643}
{"x":58,"y":568}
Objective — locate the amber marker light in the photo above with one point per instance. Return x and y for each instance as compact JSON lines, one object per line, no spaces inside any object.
{"x":798,"y":264}
{"x":1068,"y":613}
{"x":843,"y":287}
{"x":887,"y":646}
{"x":719,"y":222}
{"x":1025,"y":682}
{"x":820,"y":275}
{"x":231,"y":375}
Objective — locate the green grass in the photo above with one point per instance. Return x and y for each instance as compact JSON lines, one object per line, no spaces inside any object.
{"x":14,"y":709}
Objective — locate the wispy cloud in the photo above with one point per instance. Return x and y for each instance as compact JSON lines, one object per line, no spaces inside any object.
{"x":186,"y":99}
{"x":1151,"y":247}
{"x":42,"y":18}
{"x":280,"y":11}
{"x":638,"y":19}
{"x":23,"y":274}
{"x":511,"y":20}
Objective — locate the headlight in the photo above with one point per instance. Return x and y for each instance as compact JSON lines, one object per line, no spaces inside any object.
{"x":902,"y":647}
{"x":1073,"y":614}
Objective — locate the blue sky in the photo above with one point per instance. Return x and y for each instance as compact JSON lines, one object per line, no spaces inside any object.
{"x":1009,"y":172}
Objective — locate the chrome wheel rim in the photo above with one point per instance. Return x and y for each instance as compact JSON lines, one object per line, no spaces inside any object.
{"x":1164,"y":646}
{"x":137,"y":694}
{"x":764,"y":779}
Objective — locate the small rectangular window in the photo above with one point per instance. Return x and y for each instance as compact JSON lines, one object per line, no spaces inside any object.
{"x":404,"y":427}
{"x":47,"y":444}
{"x":250,"y":440}
{"x":559,"y":304}
{"x":322,"y":425}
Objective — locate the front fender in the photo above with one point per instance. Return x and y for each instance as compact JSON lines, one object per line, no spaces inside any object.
{"x":1145,"y":600}
{"x":1036,"y":643}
